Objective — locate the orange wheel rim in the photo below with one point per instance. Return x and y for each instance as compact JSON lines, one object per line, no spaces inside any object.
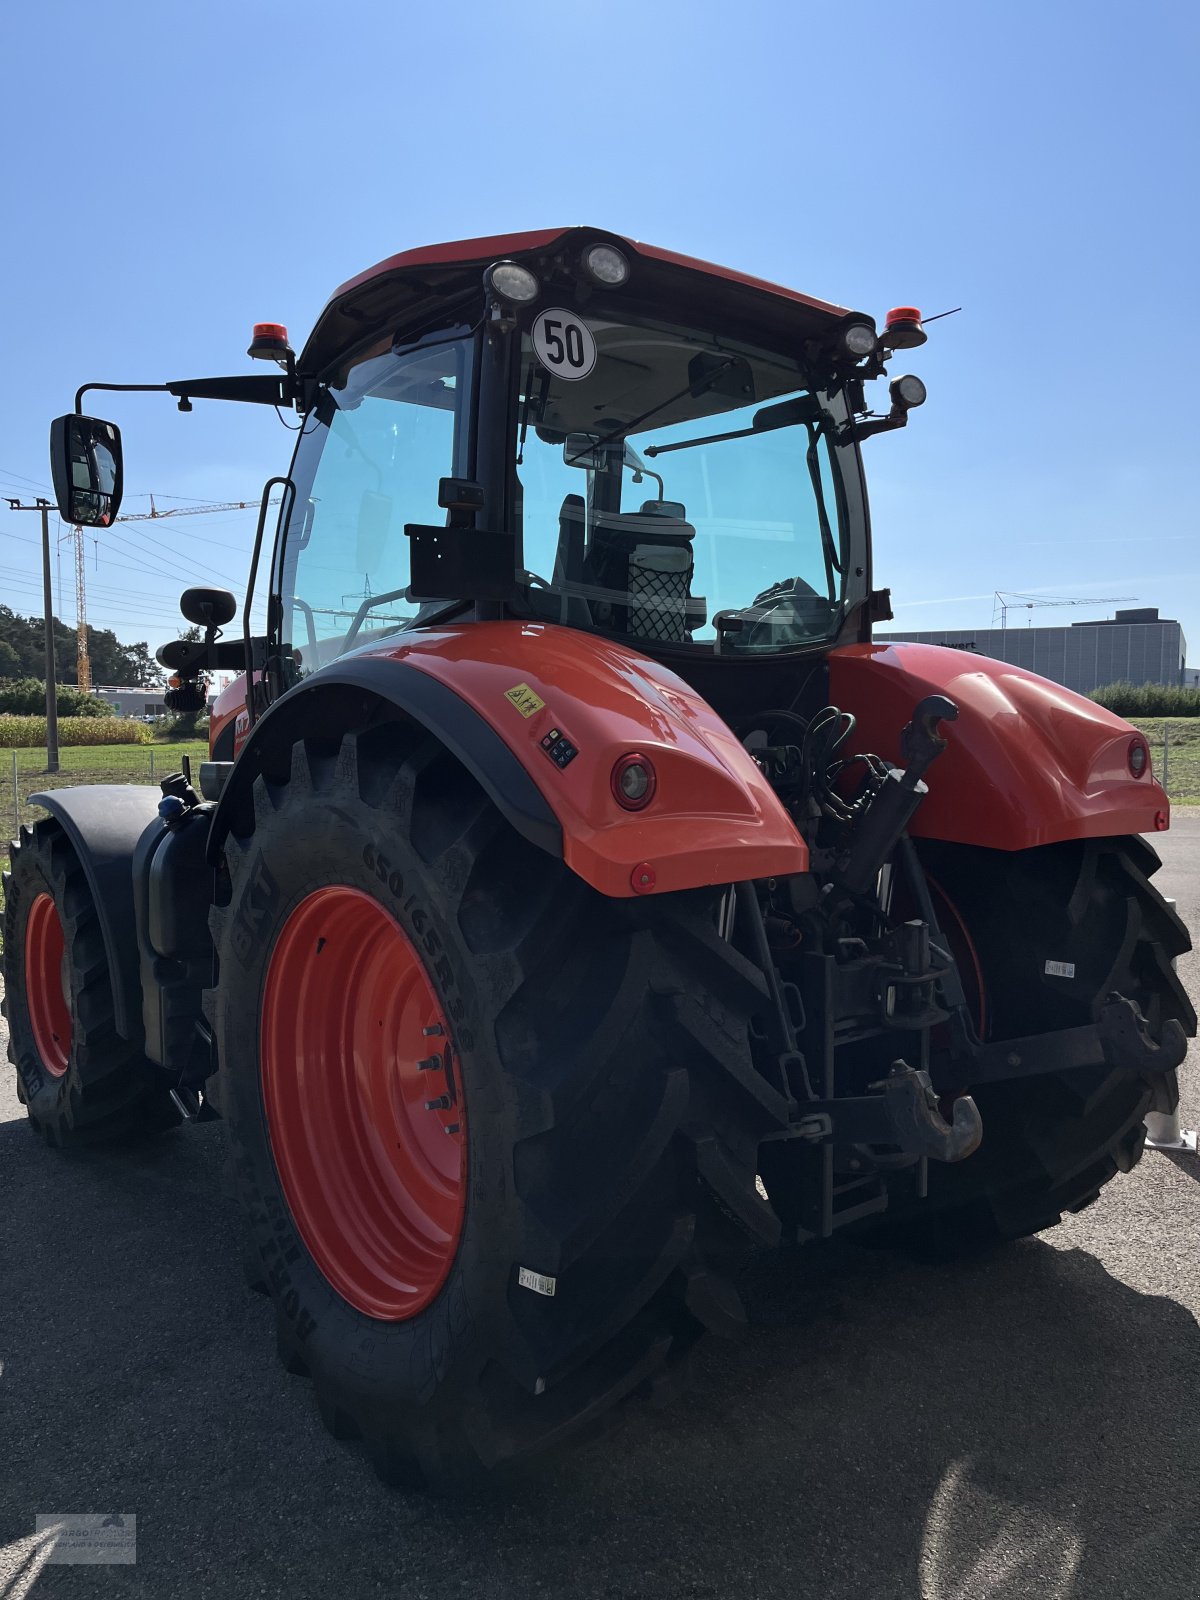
{"x":45,"y":957}
{"x":364,"y":1103}
{"x":955,"y":928}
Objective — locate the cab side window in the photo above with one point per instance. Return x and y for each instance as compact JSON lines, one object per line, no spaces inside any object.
{"x":373,"y":455}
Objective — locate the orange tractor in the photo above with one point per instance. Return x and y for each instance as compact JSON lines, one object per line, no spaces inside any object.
{"x":576,"y":896}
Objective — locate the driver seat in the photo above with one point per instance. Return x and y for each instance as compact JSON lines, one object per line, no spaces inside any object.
{"x":642,"y":563}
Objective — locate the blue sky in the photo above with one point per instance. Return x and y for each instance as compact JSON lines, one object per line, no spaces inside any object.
{"x":172,"y":174}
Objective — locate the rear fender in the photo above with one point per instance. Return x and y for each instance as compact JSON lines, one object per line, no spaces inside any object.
{"x":104,"y":824}
{"x":1027,"y":763}
{"x":494,"y":692}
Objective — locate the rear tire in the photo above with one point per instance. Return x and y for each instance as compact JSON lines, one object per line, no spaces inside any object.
{"x":80,"y":1081}
{"x":612,"y":1112}
{"x":1050,"y":1144}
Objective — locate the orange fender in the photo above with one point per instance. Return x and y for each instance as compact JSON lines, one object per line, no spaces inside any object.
{"x":1027,"y":763}
{"x":713,"y":818}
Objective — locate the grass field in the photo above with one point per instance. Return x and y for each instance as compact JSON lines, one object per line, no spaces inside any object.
{"x":1175,"y":751}
{"x":23,"y":772}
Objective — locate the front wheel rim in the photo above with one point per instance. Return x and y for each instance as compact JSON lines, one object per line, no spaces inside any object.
{"x":364,"y":1103}
{"x":45,"y":989}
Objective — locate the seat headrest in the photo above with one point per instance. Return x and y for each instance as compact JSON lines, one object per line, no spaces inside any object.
{"x":643,"y":527}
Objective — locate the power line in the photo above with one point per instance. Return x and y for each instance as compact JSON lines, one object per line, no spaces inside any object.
{"x":37,"y":484}
{"x":16,"y":578}
{"x":165,"y":570}
{"x":111,"y":594}
{"x":172,"y":550}
{"x":159,"y":558}
{"x":139,"y":620}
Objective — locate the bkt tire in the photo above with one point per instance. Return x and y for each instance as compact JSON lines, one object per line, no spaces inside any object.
{"x":1041,"y":938}
{"x":81,"y":1083}
{"x":485,"y":1124}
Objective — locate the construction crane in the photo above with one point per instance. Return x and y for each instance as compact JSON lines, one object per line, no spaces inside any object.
{"x":1007,"y":601}
{"x":83,"y":665}
{"x":202,"y":510}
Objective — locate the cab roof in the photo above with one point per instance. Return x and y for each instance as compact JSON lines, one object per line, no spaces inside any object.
{"x":402,"y":283}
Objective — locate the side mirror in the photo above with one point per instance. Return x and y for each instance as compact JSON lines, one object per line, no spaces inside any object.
{"x":86,"y":466}
{"x":208,"y":608}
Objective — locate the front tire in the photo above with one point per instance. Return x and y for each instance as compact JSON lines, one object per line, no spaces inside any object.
{"x":1042,"y":937}
{"x":80,"y":1081}
{"x":596,"y":1128}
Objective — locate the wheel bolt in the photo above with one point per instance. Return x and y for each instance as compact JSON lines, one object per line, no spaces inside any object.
{"x":442,"y":1103}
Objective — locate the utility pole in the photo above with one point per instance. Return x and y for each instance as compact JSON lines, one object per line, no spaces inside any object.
{"x":48,"y":599}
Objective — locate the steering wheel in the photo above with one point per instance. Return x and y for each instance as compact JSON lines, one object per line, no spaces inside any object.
{"x":768,"y":606}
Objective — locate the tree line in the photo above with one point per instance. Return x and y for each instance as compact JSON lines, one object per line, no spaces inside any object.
{"x":23,"y":654}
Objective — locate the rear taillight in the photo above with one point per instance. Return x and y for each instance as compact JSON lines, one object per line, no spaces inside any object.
{"x":1138,"y":756}
{"x":633,"y":781}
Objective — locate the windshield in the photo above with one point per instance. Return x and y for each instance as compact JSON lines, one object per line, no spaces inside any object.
{"x":669,"y":485}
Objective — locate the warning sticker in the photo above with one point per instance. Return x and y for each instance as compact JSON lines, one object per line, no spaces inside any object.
{"x":524,"y":699}
{"x":536,"y":1281}
{"x":563,"y":344}
{"x":1060,"y":969}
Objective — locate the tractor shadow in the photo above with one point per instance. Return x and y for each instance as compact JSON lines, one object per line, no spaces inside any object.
{"x":1018,"y":1426}
{"x":1185,"y":1161}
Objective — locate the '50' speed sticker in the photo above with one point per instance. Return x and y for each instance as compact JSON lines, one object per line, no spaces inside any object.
{"x":563,"y":344}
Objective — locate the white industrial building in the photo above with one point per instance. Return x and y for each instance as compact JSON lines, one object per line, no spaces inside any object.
{"x":143,"y":702}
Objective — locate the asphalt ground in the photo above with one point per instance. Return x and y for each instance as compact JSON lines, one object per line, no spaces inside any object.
{"x":1023,"y":1426}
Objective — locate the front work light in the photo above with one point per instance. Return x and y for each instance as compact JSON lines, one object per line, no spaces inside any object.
{"x":604,"y":264}
{"x":907,"y":392}
{"x":858,"y":339}
{"x":512,"y":282}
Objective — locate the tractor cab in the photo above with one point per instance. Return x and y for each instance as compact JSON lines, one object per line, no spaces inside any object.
{"x":594,"y":438}
{"x":675,"y":493}
{"x":563,"y":427}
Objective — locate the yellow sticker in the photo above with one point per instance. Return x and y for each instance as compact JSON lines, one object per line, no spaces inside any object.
{"x":524,"y":699}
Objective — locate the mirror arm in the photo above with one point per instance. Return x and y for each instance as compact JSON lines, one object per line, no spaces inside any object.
{"x":121,"y":388}
{"x":251,"y":388}
{"x":856,"y":432}
{"x":190,"y":657}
